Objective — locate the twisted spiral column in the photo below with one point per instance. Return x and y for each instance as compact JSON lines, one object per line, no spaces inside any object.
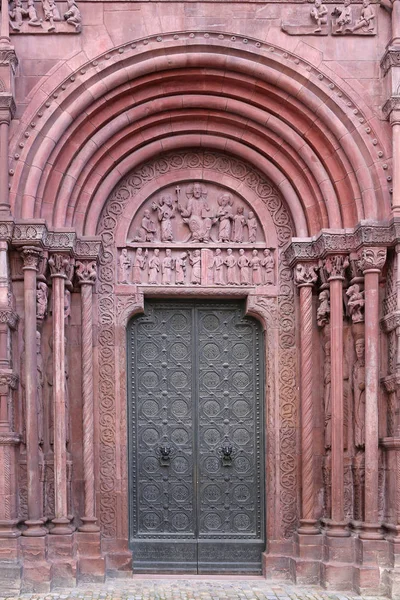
{"x":86,"y":272}
{"x":305,"y":277}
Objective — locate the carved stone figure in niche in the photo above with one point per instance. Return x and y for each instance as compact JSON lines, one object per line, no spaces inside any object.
{"x":252,"y":227}
{"x":165,"y":212}
{"x":230,"y":261}
{"x":225,"y":217}
{"x":324,"y":308}
{"x":167,"y":267}
{"x":359,"y":394}
{"x":356,"y":303}
{"x":344,"y":16}
{"x":41,"y":300}
{"x":124,"y":266}
{"x":243,"y":264}
{"x":73,"y":15}
{"x":318,"y":13}
{"x":147,"y":230}
{"x":327,"y":395}
{"x":195,"y":261}
{"x":139,"y":265}
{"x":255,"y":264}
{"x":218,"y":267}
{"x":180,"y":268}
{"x":268,"y":263}
{"x":17,"y":15}
{"x":239,"y":222}
{"x":196,"y":214}
{"x":366,"y":22}
{"x":154,"y":267}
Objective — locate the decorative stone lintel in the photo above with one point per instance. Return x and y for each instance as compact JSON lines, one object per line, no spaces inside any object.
{"x":36,"y":233}
{"x":391,"y":58}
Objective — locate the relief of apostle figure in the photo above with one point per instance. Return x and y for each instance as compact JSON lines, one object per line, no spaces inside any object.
{"x":180,"y":268}
{"x":359,"y":394}
{"x":196,"y":214}
{"x":243,"y":264}
{"x":147,"y":230}
{"x":124,"y":266}
{"x":154,"y":267}
{"x":255,"y":264}
{"x":225,"y":217}
{"x":239,"y":221}
{"x":230,"y":262}
{"x":217,"y":265}
{"x":195,"y":261}
{"x":268,"y":263}
{"x":167,"y":267}
{"x":139,"y":264}
{"x":165,"y":212}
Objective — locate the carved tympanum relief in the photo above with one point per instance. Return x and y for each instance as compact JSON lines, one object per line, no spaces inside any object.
{"x":213,"y":238}
{"x":47,"y":16}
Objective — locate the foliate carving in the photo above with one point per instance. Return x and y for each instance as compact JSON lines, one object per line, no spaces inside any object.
{"x":31,"y":258}
{"x":390,"y":59}
{"x":335,"y":266}
{"x":26,"y":233}
{"x":6,"y":227}
{"x":305,"y":274}
{"x":42,"y":294}
{"x":86,"y":271}
{"x":8,"y":56}
{"x":355,"y":303}
{"x":372,"y":258}
{"x":59,"y":265}
{"x":9,"y":379}
{"x":359,"y":394}
{"x":60,"y":240}
{"x":87,"y":248}
{"x":324,"y":308}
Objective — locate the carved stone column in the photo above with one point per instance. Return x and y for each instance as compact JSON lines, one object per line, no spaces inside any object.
{"x":86,"y":272}
{"x":335,"y":268}
{"x":34,"y":523}
{"x":305,"y":277}
{"x":59,"y":267}
{"x":372,"y":261}
{"x":395,"y":123}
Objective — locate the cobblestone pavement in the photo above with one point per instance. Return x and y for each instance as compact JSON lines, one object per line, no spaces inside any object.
{"x":196,"y":589}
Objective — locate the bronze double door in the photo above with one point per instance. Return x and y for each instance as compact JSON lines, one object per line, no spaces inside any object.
{"x":196,"y":448}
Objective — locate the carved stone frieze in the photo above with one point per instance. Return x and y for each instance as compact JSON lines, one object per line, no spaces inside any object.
{"x":6,"y":229}
{"x":27,"y":233}
{"x":44,"y":17}
{"x":60,"y":240}
{"x":87,"y":248}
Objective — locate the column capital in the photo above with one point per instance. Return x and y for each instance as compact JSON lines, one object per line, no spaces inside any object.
{"x":9,"y":317}
{"x":372,"y":259}
{"x":86,"y":272}
{"x":31,"y":256}
{"x":335,"y":266}
{"x":391,"y":109}
{"x":60,"y":265}
{"x":305,"y":274}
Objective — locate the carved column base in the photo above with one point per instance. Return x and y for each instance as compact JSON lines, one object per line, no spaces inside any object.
{"x":371,"y":531}
{"x":62,"y":526}
{"x":34,"y":528}
{"x":336,"y":529}
{"x":308,"y":527}
{"x":91,"y":564}
{"x":89,"y":525}
{"x":8,"y":529}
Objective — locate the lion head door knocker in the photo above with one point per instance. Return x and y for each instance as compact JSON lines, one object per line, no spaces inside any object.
{"x":227,"y":453}
{"x":164,"y":455}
